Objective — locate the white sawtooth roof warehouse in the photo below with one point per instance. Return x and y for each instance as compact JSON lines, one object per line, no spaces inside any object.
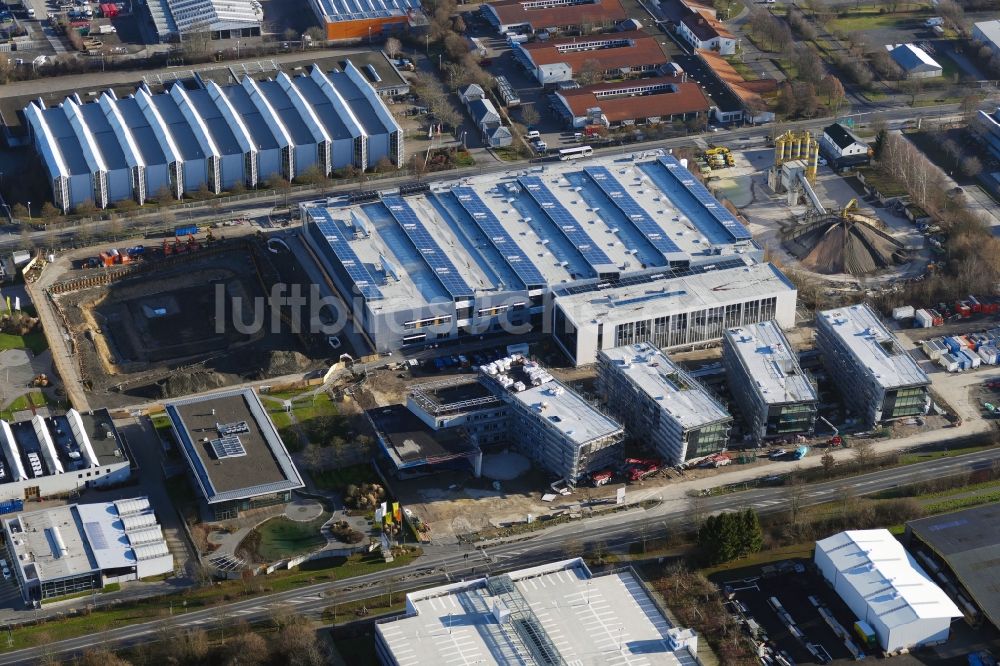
{"x":884,"y":586}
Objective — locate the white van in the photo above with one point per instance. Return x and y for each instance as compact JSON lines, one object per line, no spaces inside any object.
{"x":31,"y":12}
{"x":534,"y":134}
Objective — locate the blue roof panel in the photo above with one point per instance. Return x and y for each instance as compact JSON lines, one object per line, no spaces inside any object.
{"x":719,"y":226}
{"x":499,"y":237}
{"x":335,"y":238}
{"x":635,"y":213}
{"x":428,"y":248}
{"x":568,"y":224}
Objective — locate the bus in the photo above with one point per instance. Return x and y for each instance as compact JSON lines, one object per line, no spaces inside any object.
{"x":575,"y":153}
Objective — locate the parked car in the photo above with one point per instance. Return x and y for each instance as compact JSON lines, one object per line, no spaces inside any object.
{"x":534,"y":134}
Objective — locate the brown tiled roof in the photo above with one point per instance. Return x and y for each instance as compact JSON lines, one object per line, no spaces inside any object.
{"x":705,"y":27}
{"x":644,"y":50}
{"x":512,"y":12}
{"x":746,"y":90}
{"x":688,"y":98}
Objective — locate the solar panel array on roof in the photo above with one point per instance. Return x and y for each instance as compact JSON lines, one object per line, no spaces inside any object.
{"x":358,"y":272}
{"x":95,"y":533}
{"x":566,"y":222}
{"x":732,"y":226}
{"x":428,"y":248}
{"x":499,"y":237}
{"x":229,"y":446}
{"x":639,"y":218}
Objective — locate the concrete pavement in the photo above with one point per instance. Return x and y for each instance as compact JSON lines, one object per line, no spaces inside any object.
{"x":449,"y":565}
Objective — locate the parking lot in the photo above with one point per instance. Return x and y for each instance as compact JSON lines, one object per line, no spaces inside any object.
{"x":801,"y":592}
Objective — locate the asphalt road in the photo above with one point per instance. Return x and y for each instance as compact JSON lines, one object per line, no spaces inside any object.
{"x":258,"y":206}
{"x":440,"y":565}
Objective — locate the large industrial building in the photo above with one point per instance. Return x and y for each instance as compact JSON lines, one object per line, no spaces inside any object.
{"x":204,"y":135}
{"x":355,"y":20}
{"x":610,"y":55}
{"x":599,"y":254}
{"x":886,"y":588}
{"x":220,"y":19}
{"x":776,"y":397}
{"x":234,"y":453}
{"x":70,"y":549}
{"x":48,"y":456}
{"x":961,"y":550}
{"x":660,"y":404}
{"x":876,"y":378}
{"x":558,"y":613}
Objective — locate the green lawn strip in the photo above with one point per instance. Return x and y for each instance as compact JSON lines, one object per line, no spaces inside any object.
{"x":924,"y":456}
{"x":801,"y":550}
{"x":35,"y":341}
{"x":281,"y":537}
{"x":913,"y":490}
{"x":23,"y":402}
{"x":156,"y":607}
{"x":340,"y":478}
{"x":865,"y":20}
{"x":956,"y":503}
{"x":111,"y":587}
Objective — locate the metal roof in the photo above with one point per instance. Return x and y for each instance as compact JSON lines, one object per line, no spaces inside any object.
{"x":209,"y":15}
{"x":968,"y":541}
{"x":557,"y":613}
{"x":260,"y":132}
{"x":881,"y":572}
{"x":912,"y":58}
{"x":358,"y":10}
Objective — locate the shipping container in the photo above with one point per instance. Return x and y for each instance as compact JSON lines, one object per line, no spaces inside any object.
{"x":948,"y":362}
{"x":923,"y":319}
{"x":11,"y":506}
{"x":988,"y":353}
{"x":903,"y":312}
{"x":973,"y":358}
{"x":188,"y":230}
{"x":937,"y":319}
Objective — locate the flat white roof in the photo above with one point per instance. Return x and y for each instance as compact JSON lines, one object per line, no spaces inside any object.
{"x":732,"y":280}
{"x":874,"y":346}
{"x":551,"y":400}
{"x":64,"y":541}
{"x":627,"y":215}
{"x":771,"y":362}
{"x":893,"y":585}
{"x":678,"y":394}
{"x":606,"y":619}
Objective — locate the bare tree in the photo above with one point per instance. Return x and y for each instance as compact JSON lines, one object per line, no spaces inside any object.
{"x":590,"y":72}
{"x":863,"y":451}
{"x":529,"y":115}
{"x":393,"y":47}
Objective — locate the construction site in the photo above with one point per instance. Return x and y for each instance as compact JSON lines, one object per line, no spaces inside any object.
{"x":815,"y":220}
{"x":164,"y":325}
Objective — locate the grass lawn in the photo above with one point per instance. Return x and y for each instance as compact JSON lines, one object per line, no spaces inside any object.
{"x":280,"y":537}
{"x":923,"y":456}
{"x":338,"y":479}
{"x":963,"y":502}
{"x":860,"y":21}
{"x":772,"y":555}
{"x":35,"y":341}
{"x":26,"y":401}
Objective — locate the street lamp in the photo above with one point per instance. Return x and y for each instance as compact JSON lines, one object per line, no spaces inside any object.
{"x":237,"y":49}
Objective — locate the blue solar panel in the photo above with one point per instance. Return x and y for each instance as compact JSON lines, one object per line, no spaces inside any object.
{"x":337,"y":241}
{"x":639,"y":218}
{"x":730,"y":224}
{"x":566,"y":222}
{"x":428,"y":248}
{"x":502,"y":241}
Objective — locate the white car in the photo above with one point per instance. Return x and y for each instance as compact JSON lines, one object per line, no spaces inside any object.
{"x":6,"y":573}
{"x":777,"y":454}
{"x":534,"y":134}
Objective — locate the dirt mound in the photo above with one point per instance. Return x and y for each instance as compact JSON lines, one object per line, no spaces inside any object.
{"x":853,"y":245}
{"x":277,"y":362}
{"x":185,"y":383}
